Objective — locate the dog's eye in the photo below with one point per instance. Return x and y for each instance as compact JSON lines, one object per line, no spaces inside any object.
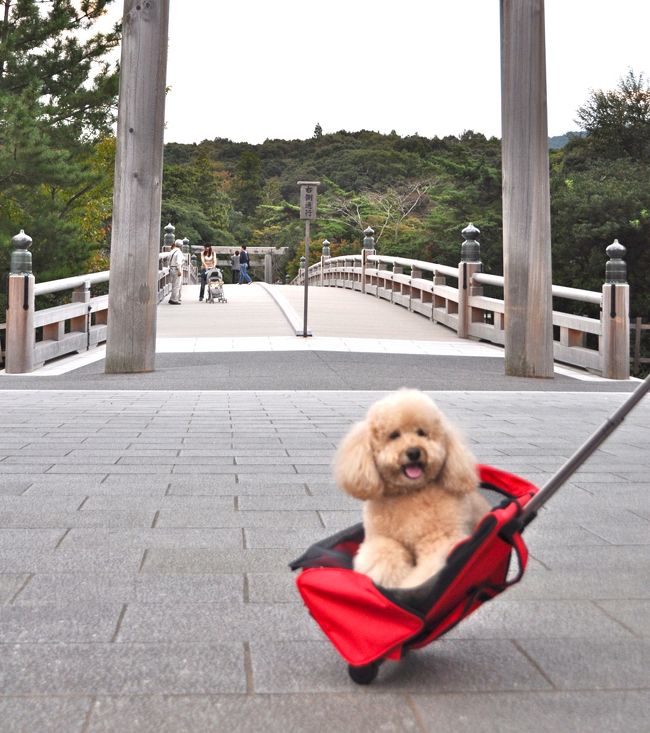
{"x":394,"y":435}
{"x":421,"y":433}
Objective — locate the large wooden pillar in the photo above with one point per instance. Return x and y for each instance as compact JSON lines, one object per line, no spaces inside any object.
{"x":132,"y":301}
{"x":526,"y":197}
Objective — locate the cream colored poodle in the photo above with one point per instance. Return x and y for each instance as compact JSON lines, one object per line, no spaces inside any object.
{"x":419,"y":483}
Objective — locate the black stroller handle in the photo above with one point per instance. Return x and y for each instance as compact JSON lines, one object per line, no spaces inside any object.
{"x":585,"y":451}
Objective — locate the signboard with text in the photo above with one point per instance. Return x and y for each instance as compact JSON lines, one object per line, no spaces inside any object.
{"x":308,"y":199}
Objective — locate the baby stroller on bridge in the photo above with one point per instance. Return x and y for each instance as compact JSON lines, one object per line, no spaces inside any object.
{"x":368,"y":624}
{"x":214,"y":285}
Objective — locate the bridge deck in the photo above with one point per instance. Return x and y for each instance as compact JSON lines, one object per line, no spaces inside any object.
{"x":333,"y":312}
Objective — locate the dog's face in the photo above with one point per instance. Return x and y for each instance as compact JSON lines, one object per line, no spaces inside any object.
{"x":404,"y":444}
{"x":409,"y":441}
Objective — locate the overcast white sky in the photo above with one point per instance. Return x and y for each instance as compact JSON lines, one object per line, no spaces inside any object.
{"x":255,"y":69}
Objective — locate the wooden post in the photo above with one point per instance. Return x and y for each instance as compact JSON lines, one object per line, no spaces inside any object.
{"x":133,"y":299}
{"x":470,"y":262}
{"x":526,"y":197}
{"x":615,"y":316}
{"x":19,"y":357}
{"x":19,"y":345}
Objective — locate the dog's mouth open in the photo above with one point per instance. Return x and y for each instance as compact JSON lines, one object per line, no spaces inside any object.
{"x":413,"y":470}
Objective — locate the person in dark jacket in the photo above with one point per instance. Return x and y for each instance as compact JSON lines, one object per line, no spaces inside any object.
{"x":244,"y":262}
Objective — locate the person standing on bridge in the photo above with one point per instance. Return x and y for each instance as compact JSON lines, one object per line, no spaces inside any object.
{"x":176,"y":272}
{"x":244,"y":262}
{"x":235,"y":267}
{"x":208,"y":262}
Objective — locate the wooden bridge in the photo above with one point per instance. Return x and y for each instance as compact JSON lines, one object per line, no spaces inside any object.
{"x":361,"y":302}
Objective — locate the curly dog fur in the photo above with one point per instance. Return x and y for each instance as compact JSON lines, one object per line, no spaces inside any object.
{"x":419,"y":484}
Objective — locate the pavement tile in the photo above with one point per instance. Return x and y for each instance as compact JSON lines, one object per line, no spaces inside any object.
{"x":49,"y":623}
{"x":247,"y":714}
{"x":49,"y":588}
{"x":122,"y":502}
{"x":603,"y":711}
{"x":211,"y":487}
{"x":565,"y":583}
{"x":209,"y":561}
{"x":10,"y":486}
{"x":503,"y":618}
{"x":43,"y":538}
{"x":285,"y":479}
{"x":44,"y":714}
{"x":272,"y":588}
{"x":103,"y":468}
{"x":37,"y":505}
{"x":335,"y":501}
{"x":634,"y":614}
{"x":451,"y":665}
{"x":544,"y":533}
{"x":10,"y":584}
{"x":593,"y":663}
{"x":116,"y":539}
{"x":122,"y":669}
{"x":206,"y":518}
{"x":215,"y":622}
{"x":335,"y":520}
{"x":291,"y":538}
{"x":595,"y":558}
{"x":100,"y":489}
{"x":35,"y":560}
{"x":100,"y":519}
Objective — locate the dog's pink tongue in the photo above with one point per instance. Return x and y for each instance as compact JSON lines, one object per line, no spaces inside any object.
{"x":413,"y":471}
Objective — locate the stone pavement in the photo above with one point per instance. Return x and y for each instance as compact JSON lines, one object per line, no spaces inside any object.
{"x":144,"y":541}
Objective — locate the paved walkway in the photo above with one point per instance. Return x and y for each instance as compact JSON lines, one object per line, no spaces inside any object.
{"x":146,"y":526}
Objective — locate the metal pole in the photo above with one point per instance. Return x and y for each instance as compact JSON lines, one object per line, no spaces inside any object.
{"x":581,"y":455}
{"x":304,"y":317}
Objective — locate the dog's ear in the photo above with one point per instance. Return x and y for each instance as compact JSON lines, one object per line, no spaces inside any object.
{"x":354,"y":466}
{"x":459,"y":474}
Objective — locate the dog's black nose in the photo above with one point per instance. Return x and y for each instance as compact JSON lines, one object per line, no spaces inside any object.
{"x":413,"y":454}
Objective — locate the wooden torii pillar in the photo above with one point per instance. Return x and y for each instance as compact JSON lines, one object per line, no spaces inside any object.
{"x":132,"y":300}
{"x":526,"y":196}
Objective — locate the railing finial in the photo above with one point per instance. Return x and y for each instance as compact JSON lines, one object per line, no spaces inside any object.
{"x":368,"y":238}
{"x":470,"y":249}
{"x":170,"y":236}
{"x":21,"y":257}
{"x":616,"y":268}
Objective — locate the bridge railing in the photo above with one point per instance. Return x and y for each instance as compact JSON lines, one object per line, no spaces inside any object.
{"x":43,"y":334}
{"x":454,"y":297}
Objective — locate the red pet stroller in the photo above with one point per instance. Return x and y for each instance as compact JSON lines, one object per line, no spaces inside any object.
{"x":368,"y":624}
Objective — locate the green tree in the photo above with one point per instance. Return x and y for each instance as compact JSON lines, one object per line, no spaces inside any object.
{"x":194,"y":200}
{"x":617,"y":122}
{"x":57,"y":102}
{"x":248,"y":186}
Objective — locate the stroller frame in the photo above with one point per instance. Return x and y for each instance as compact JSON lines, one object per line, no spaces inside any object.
{"x":214,"y":286}
{"x":368,"y":624}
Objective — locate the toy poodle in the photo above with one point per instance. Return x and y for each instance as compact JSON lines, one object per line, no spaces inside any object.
{"x":419,"y":482}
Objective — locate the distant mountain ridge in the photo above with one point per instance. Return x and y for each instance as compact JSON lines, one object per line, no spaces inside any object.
{"x":559,"y":141}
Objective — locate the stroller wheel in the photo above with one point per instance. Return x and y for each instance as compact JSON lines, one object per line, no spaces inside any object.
{"x":365,"y":674}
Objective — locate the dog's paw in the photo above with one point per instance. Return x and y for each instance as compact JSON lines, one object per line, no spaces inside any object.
{"x":384,"y":561}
